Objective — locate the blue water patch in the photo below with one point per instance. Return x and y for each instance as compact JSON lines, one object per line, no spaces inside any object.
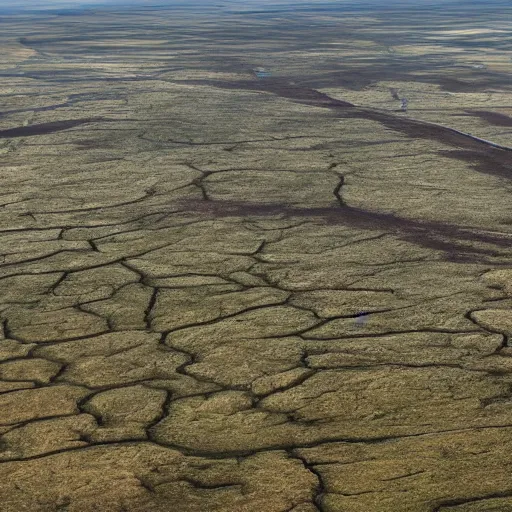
{"x":361,"y":319}
{"x":263,"y":74}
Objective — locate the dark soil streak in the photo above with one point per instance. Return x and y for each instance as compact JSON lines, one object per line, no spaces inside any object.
{"x":456,"y":242}
{"x":493,"y":118}
{"x":45,"y":128}
{"x":493,"y":162}
{"x":410,"y":127}
{"x":462,"y":501}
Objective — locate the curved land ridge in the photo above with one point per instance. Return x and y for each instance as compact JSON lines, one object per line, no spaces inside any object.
{"x":226,"y":293}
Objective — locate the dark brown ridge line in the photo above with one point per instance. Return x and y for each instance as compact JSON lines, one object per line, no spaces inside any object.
{"x":504,"y":342}
{"x":489,"y":162}
{"x":383,"y":334}
{"x":370,"y":366}
{"x":493,"y":118}
{"x":309,"y":96}
{"x":41,"y":258}
{"x":338,"y":192}
{"x":429,"y":234}
{"x":60,"y":340}
{"x":46,"y":128}
{"x":226,"y":317}
{"x":394,"y":122}
{"x":121,"y":260}
{"x":21,"y":424}
{"x":133,"y":220}
{"x":320,"y":489}
{"x":245,"y":453}
{"x":151,"y":305}
{"x":148,"y":193}
{"x":163,"y":413}
{"x":462,"y":501}
{"x":411,"y":127}
{"x":230,"y":142}
{"x":314,"y":444}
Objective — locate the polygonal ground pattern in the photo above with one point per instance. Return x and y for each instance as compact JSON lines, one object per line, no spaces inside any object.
{"x":225,"y":293}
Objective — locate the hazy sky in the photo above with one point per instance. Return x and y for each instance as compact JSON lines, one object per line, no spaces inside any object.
{"x":44,"y":4}
{"x":77,"y":3}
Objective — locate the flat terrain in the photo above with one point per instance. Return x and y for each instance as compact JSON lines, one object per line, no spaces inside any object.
{"x":224,"y":292}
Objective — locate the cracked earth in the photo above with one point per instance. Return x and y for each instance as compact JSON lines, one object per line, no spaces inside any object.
{"x":186,"y":251}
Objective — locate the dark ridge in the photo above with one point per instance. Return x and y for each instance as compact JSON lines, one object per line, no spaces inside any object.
{"x":420,"y":130}
{"x":494,"y":162}
{"x":298,"y":93}
{"x":447,"y":504}
{"x":44,"y":128}
{"x":458,"y":243}
{"x":494,"y":80}
{"x":494,"y":118}
{"x":35,"y":109}
{"x":279,"y":87}
{"x":72,"y":100}
{"x":410,"y":127}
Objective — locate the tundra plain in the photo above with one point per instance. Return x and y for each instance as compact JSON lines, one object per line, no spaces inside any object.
{"x":224,"y":292}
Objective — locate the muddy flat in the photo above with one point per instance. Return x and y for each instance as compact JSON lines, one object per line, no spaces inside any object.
{"x":236,"y":274}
